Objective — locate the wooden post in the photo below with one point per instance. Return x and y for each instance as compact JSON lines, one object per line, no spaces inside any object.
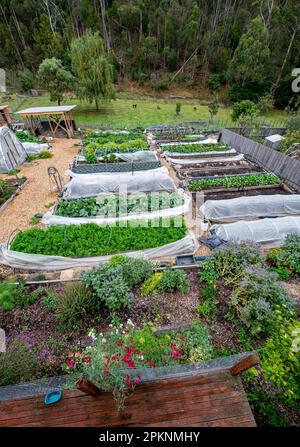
{"x":88,"y":387}
{"x":244,"y":364}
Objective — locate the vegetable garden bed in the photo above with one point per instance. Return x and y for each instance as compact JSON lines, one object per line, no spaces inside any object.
{"x":234,"y":182}
{"x":82,"y":168}
{"x":195,"y":148}
{"x":232,"y":193}
{"x":93,"y":240}
{"x":210,"y":172}
{"x":9,"y":188}
{"x":118,"y":205}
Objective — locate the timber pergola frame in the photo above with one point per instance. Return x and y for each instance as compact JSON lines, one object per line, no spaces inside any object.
{"x":58,"y":117}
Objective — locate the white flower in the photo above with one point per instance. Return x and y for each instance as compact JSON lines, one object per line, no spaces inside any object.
{"x":103,"y":340}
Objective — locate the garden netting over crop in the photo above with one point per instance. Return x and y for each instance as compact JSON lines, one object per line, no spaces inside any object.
{"x":186,"y":246}
{"x":175,"y":143}
{"x":201,"y":154}
{"x":250,"y":207}
{"x":265,"y":231}
{"x":50,"y":218}
{"x":92,"y":185}
{"x":193,"y":161}
{"x":129,"y":156}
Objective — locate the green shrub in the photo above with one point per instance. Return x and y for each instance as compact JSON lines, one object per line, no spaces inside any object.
{"x":209,"y":308}
{"x":150,"y":285}
{"x":49,"y":299}
{"x":261,"y":302}
{"x":16,"y":295}
{"x":161,"y":85}
{"x":24,"y":136}
{"x":286,"y":259}
{"x":109,"y":288}
{"x":280,"y":361}
{"x":41,"y":155}
{"x":194,"y":343}
{"x":244,"y":108}
{"x":75,"y":303}
{"x":135,"y":270}
{"x":208,"y":273}
{"x":214,"y":82}
{"x":232,"y":258}
{"x":17,"y":364}
{"x":92,"y":239}
{"x":173,"y":280}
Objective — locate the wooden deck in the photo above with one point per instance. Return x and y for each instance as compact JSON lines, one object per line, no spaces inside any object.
{"x":204,"y":399}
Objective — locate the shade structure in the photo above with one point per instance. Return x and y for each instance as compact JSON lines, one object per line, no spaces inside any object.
{"x":250,"y":207}
{"x":265,"y":231}
{"x":58,"y":117}
{"x":12,"y":152}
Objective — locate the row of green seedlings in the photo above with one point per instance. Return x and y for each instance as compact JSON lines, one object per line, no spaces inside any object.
{"x":195,"y":148}
{"x":237,"y":181}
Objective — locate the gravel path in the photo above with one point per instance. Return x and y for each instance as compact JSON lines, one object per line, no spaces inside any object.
{"x":36,"y":194}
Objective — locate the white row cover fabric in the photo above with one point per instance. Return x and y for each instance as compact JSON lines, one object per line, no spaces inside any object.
{"x":181,"y":161}
{"x":35,"y":148}
{"x":129,"y":156}
{"x":175,"y":143}
{"x":265,"y":231}
{"x":12,"y":152}
{"x":51,"y":219}
{"x":200,"y":154}
{"x":92,"y":185}
{"x":186,"y":246}
{"x":249,"y":207}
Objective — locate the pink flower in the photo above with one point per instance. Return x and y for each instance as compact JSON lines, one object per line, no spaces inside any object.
{"x":70,"y":363}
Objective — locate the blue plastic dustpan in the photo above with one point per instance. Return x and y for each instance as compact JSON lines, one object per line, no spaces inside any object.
{"x":53,"y":397}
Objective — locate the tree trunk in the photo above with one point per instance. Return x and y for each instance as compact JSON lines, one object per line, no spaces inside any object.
{"x":97,"y":104}
{"x":279,"y":77}
{"x":105,"y":33}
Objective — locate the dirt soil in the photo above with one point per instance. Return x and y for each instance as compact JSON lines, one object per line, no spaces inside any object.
{"x":36,"y":194}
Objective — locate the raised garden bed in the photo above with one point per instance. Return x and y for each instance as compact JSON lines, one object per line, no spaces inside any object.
{"x":94,"y":240}
{"x":210,"y":172}
{"x":232,"y":193}
{"x":81,"y":168}
{"x":241,"y":181}
{"x":118,"y":205}
{"x":9,"y":188}
{"x":195,"y":148}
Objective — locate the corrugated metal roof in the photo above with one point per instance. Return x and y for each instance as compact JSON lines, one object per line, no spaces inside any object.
{"x":53,"y":109}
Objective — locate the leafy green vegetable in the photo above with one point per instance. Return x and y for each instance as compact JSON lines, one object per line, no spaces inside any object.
{"x":192,"y":148}
{"x":117,"y":205}
{"x":95,"y":240}
{"x":235,"y":181}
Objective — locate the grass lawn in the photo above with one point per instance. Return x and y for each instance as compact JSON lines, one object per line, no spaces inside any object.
{"x":149,"y":111}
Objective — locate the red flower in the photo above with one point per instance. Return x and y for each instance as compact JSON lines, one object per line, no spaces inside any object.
{"x":175,"y":353}
{"x":70,"y":363}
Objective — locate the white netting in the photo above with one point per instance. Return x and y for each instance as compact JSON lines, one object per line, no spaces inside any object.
{"x":186,"y":246}
{"x":35,"y":148}
{"x":175,"y":143}
{"x":12,"y":153}
{"x":200,"y":154}
{"x":129,"y":156}
{"x":182,"y":161}
{"x":253,"y":206}
{"x":92,"y":185}
{"x":266,"y":231}
{"x":51,"y":219}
